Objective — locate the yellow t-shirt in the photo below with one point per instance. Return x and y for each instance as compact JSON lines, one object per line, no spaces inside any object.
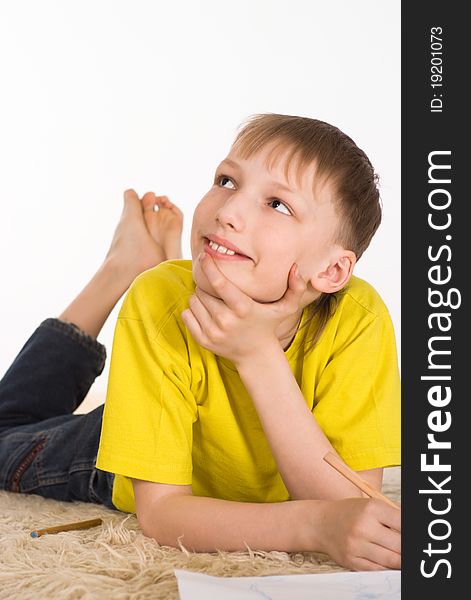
{"x":176,"y":413}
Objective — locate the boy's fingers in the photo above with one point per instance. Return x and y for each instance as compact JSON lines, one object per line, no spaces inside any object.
{"x":388,"y":559}
{"x":226,"y":290}
{"x":209,"y":302}
{"x":387,"y":538}
{"x":363,"y":564}
{"x":191,"y":323}
{"x":200,"y":312}
{"x":295,"y":290}
{"x":391,"y":517}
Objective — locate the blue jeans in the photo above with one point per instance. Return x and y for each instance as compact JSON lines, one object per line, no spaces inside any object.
{"x":44,"y":448}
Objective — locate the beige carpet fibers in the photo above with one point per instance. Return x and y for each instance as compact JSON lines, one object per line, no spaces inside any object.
{"x":115,"y":561}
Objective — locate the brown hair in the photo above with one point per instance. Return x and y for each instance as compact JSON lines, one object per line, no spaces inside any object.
{"x":337,"y":159}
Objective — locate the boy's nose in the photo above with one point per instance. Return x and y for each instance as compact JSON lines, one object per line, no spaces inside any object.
{"x":234,"y":213}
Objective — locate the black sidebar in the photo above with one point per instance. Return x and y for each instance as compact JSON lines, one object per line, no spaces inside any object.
{"x":436,"y":332}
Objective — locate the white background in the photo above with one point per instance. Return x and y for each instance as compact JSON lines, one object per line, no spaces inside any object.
{"x":98,"y":96}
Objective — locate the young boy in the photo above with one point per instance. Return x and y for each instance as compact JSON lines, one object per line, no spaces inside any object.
{"x":216,"y":412}
{"x":233,"y":374}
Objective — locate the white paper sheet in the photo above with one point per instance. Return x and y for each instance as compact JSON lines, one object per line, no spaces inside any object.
{"x":365,"y":585}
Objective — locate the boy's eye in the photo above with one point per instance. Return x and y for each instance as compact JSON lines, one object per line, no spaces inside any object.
{"x":226,"y":182}
{"x":280,"y":206}
{"x":223,"y":181}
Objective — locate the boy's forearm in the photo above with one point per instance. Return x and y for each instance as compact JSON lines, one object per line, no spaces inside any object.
{"x":297,"y":442}
{"x":204,"y":524}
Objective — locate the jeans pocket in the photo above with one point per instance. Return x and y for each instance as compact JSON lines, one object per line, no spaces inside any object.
{"x":26,"y":459}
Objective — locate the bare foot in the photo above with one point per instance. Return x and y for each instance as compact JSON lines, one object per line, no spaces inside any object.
{"x":164,"y":224}
{"x":137,"y":245}
{"x":133,"y":248}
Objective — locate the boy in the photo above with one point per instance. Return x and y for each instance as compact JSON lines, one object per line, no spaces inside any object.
{"x":214,"y":382}
{"x":234,"y":374}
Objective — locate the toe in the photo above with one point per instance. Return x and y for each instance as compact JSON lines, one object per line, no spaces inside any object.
{"x":148,"y":201}
{"x":131,"y":202}
{"x":162,"y":201}
{"x":130,"y":196}
{"x":151,"y":216}
{"x":177,"y":210}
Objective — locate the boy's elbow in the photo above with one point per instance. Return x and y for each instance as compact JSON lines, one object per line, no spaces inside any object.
{"x":147,"y":525}
{"x":156,"y":511}
{"x":158,"y":521}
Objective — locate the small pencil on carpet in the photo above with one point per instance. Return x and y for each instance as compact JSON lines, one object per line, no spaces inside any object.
{"x":354,"y":478}
{"x":67,"y":527}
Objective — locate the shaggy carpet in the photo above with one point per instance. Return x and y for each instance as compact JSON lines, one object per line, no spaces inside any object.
{"x":115,"y":560}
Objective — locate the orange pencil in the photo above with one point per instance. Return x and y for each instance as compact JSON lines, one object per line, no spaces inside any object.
{"x":67,"y":527}
{"x":354,"y":478}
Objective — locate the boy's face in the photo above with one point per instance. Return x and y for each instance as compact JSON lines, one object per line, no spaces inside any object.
{"x":270,"y":220}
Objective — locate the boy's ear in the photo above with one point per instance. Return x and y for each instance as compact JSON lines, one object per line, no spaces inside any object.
{"x":336,"y":275}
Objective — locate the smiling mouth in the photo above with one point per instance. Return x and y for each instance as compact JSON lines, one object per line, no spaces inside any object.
{"x":218,"y":251}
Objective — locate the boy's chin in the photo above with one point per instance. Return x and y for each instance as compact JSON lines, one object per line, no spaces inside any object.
{"x":257,"y":295}
{"x":262,"y":296}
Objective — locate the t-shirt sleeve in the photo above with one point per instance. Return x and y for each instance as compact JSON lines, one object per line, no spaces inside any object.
{"x":147,"y":429}
{"x":357,"y":399}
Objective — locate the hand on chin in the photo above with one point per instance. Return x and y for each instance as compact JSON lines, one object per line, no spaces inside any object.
{"x":262,"y":296}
